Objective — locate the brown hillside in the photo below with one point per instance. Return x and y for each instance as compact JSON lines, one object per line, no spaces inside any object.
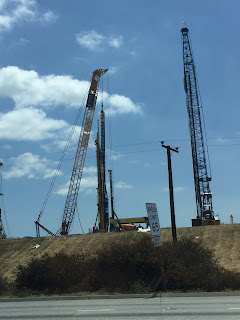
{"x":223,"y":239}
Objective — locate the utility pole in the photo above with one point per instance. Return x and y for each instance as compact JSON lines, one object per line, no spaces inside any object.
{"x":173,"y":221}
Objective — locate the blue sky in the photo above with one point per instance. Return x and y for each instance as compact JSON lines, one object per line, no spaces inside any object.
{"x":48,"y":50}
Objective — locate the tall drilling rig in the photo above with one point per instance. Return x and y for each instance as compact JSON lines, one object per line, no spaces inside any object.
{"x":103,"y":211}
{"x":3,"y":234}
{"x":2,"y":230}
{"x":74,"y":185}
{"x":205,"y":214}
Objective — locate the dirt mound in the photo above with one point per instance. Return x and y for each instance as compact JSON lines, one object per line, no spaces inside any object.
{"x":223,"y":240}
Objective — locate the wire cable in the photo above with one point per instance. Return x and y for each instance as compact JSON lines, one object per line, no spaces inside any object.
{"x":79,"y":219}
{"x":62,"y":158}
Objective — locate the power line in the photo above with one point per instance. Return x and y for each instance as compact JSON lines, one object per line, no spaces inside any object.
{"x":135,"y":144}
{"x":128,"y":152}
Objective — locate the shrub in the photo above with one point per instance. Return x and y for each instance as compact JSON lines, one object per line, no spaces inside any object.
{"x":133,"y":266}
{"x":4,"y":286}
{"x":58,"y":274}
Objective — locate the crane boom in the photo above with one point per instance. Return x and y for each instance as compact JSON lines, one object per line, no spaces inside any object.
{"x":201,"y":179}
{"x":74,"y":185}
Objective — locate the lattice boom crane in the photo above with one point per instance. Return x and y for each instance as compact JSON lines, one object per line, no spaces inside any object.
{"x":201,"y":178}
{"x":71,"y":201}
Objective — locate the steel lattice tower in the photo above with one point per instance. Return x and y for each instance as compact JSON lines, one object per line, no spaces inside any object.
{"x":103,"y":173}
{"x":74,"y":185}
{"x":201,"y":178}
{"x":2,"y":230}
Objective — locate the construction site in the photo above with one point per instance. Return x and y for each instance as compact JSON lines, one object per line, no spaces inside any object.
{"x":113,"y":225}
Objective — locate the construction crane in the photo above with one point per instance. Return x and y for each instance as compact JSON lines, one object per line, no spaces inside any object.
{"x":71,"y":201}
{"x":103,"y":212}
{"x":74,"y":185}
{"x":203,"y":194}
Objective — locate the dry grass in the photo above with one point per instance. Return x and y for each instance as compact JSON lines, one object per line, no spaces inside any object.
{"x":223,"y":240}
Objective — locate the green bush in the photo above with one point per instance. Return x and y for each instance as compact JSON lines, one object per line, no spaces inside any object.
{"x":58,"y":274}
{"x":129,"y":267}
{"x":4,"y":286}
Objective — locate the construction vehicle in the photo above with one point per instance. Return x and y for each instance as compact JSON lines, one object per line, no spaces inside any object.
{"x":123,"y":224}
{"x":74,"y":185}
{"x":205,"y":214}
{"x":102,"y":219}
{"x":127,"y":224}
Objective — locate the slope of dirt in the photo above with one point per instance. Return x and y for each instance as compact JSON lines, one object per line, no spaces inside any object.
{"x":223,"y":239}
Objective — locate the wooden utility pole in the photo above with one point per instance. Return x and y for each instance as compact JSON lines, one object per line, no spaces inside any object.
{"x":171,"y":197}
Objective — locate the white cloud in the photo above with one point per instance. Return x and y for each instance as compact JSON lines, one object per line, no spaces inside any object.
{"x":29,"y":124}
{"x":122,"y":185}
{"x":49,"y":16}
{"x":28,"y":88}
{"x":88,"y":182}
{"x":115,"y":42}
{"x":122,"y":105}
{"x":15,"y":11}
{"x":90,"y":40}
{"x":113,"y":70}
{"x":176,"y":189}
{"x":30,"y":166}
{"x":93,"y":40}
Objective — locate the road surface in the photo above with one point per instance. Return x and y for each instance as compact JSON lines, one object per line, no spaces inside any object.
{"x":169,"y":308}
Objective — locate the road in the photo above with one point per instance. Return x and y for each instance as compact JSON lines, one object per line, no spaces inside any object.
{"x":177,"y":308}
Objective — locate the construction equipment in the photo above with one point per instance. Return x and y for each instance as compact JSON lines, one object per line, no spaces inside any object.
{"x":74,"y":185}
{"x":3,"y":234}
{"x":127,"y":224}
{"x":194,"y":109}
{"x":123,"y":224}
{"x":112,"y":198}
{"x":103,"y":212}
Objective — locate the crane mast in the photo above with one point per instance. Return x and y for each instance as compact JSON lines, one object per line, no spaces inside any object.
{"x":103,"y":174}
{"x":74,"y":185}
{"x":3,"y":234}
{"x":201,"y":178}
{"x":103,"y":211}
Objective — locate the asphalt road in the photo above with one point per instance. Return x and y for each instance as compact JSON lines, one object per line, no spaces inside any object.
{"x":177,"y":308}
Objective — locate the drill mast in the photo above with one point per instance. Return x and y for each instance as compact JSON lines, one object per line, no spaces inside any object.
{"x":201,"y":179}
{"x":103,"y":211}
{"x":3,"y":234}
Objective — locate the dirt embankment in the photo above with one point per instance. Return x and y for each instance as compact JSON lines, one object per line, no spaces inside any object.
{"x":223,"y":240}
